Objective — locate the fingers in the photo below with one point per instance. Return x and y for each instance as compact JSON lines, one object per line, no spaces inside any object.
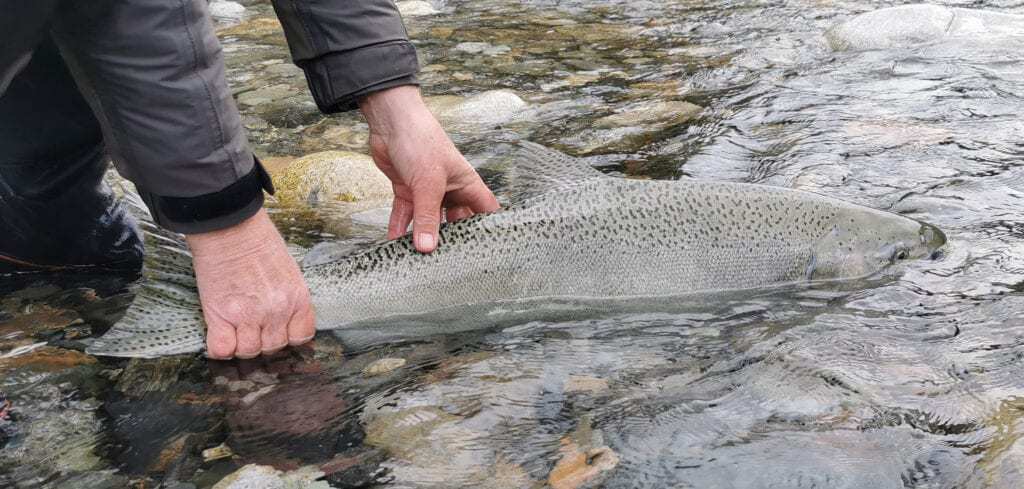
{"x":220,"y":339}
{"x":401,"y":216}
{"x":426,"y":218}
{"x":248,"y":341}
{"x":475,"y":196}
{"x":458,"y":213}
{"x":302,"y":326}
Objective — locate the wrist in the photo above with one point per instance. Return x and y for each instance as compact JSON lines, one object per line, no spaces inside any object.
{"x":386,"y":111}
{"x":240,"y":239}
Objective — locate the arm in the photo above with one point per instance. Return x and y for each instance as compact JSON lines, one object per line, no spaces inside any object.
{"x":153,"y":74}
{"x":358,"y":54}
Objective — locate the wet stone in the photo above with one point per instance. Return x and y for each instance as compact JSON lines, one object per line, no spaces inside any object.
{"x":265,"y":477}
{"x":415,"y":8}
{"x":262,"y":29}
{"x":481,"y":48}
{"x":266,"y":95}
{"x":383,"y":366}
{"x":331,"y":176}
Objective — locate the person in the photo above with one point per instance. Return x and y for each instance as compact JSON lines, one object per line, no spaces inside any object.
{"x":143,"y":82}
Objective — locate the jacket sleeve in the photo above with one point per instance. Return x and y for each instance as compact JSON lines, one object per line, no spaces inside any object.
{"x":348,"y":48}
{"x":152,"y":72}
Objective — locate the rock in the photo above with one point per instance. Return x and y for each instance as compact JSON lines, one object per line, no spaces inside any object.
{"x":585,"y":460}
{"x":415,"y":8}
{"x":263,"y":29}
{"x":579,"y":467}
{"x":358,"y":469}
{"x":218,"y":452}
{"x":383,"y":366}
{"x":404,"y":433}
{"x":226,"y":12}
{"x":265,"y":477}
{"x":331,"y":177}
{"x":490,"y":108}
{"x":912,"y":25}
{"x":43,"y":358}
{"x":647,"y":114}
{"x":266,"y":95}
{"x":582,"y":383}
{"x":481,"y":48}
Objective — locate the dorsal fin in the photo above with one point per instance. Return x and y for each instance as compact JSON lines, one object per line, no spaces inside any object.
{"x":537,"y":170}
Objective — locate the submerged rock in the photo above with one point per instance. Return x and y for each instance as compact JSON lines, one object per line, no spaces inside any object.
{"x":585,"y":460}
{"x":658,"y":114}
{"x":383,"y":366}
{"x":910,"y":25}
{"x":264,"y":477}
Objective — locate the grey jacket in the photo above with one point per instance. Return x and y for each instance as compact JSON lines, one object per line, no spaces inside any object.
{"x":153,"y":75}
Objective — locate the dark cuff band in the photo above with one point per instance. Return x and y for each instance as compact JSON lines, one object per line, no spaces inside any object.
{"x":339,"y":80}
{"x":210,"y":212}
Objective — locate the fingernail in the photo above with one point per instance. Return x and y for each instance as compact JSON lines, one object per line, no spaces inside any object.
{"x":426,"y":241}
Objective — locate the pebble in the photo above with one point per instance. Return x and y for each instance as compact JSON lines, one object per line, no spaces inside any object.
{"x":266,"y":95}
{"x":583,"y":383}
{"x":383,"y":366}
{"x":226,"y":12}
{"x":415,"y":8}
{"x":218,"y":452}
{"x":265,"y":477}
{"x":481,"y":48}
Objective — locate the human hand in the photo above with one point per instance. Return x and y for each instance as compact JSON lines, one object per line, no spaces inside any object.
{"x":253,"y":295}
{"x":428,"y":174}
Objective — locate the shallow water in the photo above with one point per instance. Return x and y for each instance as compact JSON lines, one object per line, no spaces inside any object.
{"x":913,"y":379}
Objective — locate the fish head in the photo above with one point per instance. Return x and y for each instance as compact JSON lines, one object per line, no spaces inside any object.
{"x":863,"y":241}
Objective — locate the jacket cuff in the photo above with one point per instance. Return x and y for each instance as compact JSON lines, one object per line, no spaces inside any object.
{"x":213,"y":211}
{"x":339,"y":80}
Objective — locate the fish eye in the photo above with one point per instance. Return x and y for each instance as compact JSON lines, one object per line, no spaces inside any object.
{"x":902,"y":255}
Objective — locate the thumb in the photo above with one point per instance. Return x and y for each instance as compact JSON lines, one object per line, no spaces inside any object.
{"x":426,"y":217}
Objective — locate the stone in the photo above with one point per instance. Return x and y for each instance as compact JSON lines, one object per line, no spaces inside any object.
{"x":266,"y":95}
{"x":585,"y":461}
{"x":226,"y":11}
{"x":646,"y":114}
{"x":579,"y":467}
{"x":583,"y":383}
{"x":481,"y":48}
{"x":45,"y":359}
{"x":415,"y":8}
{"x":405,"y":432}
{"x":331,"y":176}
{"x":489,"y":108}
{"x":254,"y":476}
{"x":264,"y":29}
{"x":908,"y":26}
{"x":383,"y":366}
{"x":218,"y":452}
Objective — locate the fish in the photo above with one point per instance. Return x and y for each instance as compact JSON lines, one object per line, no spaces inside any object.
{"x":571,"y":236}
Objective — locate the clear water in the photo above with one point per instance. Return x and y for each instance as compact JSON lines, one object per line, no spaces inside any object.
{"x":911,"y":380}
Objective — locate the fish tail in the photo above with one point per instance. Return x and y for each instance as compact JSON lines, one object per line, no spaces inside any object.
{"x":165,"y":317}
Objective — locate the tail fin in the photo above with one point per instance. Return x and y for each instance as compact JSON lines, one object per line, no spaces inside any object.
{"x":165,"y":318}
